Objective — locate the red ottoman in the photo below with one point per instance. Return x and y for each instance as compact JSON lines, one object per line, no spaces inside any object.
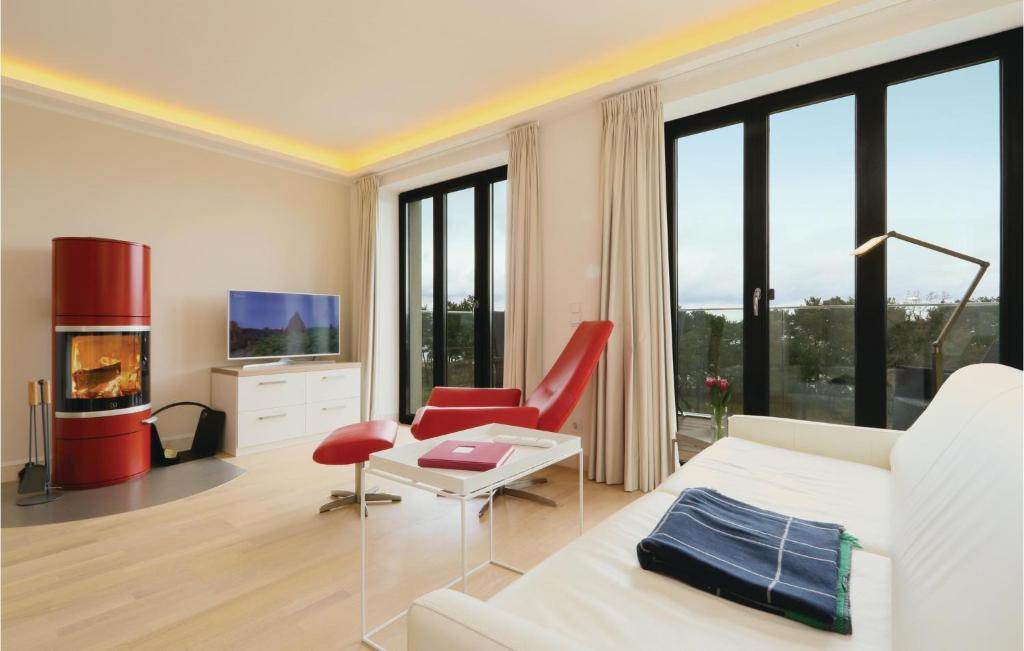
{"x":353,"y":444}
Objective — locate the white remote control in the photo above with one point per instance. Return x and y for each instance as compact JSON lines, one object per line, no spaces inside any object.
{"x":532,"y":441}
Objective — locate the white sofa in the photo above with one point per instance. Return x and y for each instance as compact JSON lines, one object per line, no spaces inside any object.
{"x":937,"y":509}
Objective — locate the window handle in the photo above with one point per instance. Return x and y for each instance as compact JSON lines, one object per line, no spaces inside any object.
{"x":756,"y":300}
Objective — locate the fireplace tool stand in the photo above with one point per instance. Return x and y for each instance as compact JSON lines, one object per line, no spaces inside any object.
{"x":49,"y":493}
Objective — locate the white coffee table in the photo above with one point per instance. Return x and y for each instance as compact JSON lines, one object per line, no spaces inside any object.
{"x":399,"y":464}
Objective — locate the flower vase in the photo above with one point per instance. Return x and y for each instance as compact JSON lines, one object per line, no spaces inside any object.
{"x":720,"y":422}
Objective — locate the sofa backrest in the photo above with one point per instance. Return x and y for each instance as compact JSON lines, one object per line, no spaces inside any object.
{"x":957,"y":503}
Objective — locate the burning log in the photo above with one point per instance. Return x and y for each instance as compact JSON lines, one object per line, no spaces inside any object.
{"x":91,"y":377}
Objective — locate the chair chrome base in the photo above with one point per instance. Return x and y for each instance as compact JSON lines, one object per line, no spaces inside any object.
{"x":349,"y":497}
{"x":344,"y":497}
{"x":515,"y":489}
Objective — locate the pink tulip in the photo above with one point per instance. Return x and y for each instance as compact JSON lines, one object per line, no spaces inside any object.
{"x":723,"y":384}
{"x":710,"y":382}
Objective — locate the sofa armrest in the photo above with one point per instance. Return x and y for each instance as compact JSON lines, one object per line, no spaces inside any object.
{"x":473,"y":397}
{"x":438,"y":421}
{"x":450,"y":620}
{"x":867,"y":445}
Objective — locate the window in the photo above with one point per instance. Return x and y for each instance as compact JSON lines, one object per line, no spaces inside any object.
{"x":709,"y":239}
{"x":452,"y":275}
{"x":811,"y":199}
{"x":935,"y":184}
{"x":768,"y":197}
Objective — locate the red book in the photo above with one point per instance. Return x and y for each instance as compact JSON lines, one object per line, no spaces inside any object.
{"x":466,"y":455}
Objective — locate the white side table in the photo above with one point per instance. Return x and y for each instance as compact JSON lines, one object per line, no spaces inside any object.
{"x":399,"y":464}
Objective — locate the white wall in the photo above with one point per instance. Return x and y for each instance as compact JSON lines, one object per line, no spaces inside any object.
{"x":570,"y":154}
{"x":213,"y":221}
{"x":570,"y":149}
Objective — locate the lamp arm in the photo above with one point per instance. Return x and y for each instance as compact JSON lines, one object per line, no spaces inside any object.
{"x":941,"y":249}
{"x":937,"y":362}
{"x":961,"y":305}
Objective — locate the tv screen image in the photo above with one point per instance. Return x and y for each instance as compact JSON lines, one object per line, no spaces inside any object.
{"x":280,"y":324}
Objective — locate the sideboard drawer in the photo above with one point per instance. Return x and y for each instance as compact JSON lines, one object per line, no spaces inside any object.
{"x":325,"y":417}
{"x":333,"y":384}
{"x":273,"y":390}
{"x":269,"y":425}
{"x":278,"y":406}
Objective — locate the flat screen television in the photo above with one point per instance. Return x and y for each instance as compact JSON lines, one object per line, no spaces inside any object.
{"x":262,"y":325}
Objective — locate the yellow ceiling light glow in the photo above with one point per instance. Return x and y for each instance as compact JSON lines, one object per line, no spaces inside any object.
{"x":170,"y":113}
{"x":622,"y":64}
{"x":557,"y":87}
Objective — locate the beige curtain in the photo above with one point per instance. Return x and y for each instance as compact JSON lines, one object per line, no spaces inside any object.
{"x":635,"y":399}
{"x":365,"y":286}
{"x":524,"y":355}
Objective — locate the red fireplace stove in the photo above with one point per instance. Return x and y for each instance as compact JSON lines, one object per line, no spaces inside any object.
{"x":101,"y":333}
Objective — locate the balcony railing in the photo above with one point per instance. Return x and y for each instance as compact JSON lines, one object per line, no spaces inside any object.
{"x":811,"y":351}
{"x":460,"y":337}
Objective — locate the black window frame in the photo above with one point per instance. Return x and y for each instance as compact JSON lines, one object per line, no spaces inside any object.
{"x":483,"y":256}
{"x":868,"y":86}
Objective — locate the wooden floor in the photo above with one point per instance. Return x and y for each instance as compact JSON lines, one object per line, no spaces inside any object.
{"x":253,"y":565}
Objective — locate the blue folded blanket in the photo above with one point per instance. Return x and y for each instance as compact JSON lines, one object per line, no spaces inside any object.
{"x":784,"y":565}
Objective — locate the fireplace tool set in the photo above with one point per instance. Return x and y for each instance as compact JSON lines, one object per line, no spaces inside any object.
{"x":34,"y":478}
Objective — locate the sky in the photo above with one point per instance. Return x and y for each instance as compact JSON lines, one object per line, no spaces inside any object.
{"x":461,"y":267}
{"x":942,"y":182}
{"x":273,"y":309}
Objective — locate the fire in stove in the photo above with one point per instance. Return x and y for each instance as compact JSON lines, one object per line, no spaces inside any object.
{"x":105,"y":365}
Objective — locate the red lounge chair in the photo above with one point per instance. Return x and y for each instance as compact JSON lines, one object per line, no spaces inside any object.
{"x":453,"y":409}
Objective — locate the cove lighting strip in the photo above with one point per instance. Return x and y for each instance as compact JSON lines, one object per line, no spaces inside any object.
{"x":507,"y":105}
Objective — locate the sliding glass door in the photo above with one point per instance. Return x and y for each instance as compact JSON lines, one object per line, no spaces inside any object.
{"x":709,"y":241}
{"x":452,"y":286}
{"x":811,"y":220}
{"x":943,"y":163}
{"x":769,"y":197}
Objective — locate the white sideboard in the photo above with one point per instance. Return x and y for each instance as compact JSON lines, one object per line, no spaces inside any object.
{"x":281,"y":405}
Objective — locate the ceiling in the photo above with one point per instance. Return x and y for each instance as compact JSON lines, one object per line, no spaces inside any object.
{"x":349,"y":84}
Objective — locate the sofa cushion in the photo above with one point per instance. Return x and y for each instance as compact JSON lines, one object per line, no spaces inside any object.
{"x":595,"y":591}
{"x":807,"y":486}
{"x":957,"y":504}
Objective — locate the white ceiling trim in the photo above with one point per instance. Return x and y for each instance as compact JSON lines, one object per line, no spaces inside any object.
{"x":673,"y":73}
{"x":669,"y":71}
{"x":55,"y":100}
{"x":45,"y":98}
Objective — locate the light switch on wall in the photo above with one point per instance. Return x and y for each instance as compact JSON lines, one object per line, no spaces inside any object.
{"x":575,"y":311}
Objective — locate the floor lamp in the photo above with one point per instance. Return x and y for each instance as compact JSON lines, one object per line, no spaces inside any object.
{"x":937,"y":362}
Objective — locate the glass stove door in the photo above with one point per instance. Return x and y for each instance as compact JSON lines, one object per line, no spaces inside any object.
{"x":101,"y":371}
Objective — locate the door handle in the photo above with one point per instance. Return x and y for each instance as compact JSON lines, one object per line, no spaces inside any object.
{"x":756,"y":300}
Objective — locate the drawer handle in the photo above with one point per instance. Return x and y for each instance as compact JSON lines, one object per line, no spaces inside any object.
{"x":271,"y":416}
{"x":266,"y":382}
{"x":336,"y":407}
{"x":332,"y":377}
